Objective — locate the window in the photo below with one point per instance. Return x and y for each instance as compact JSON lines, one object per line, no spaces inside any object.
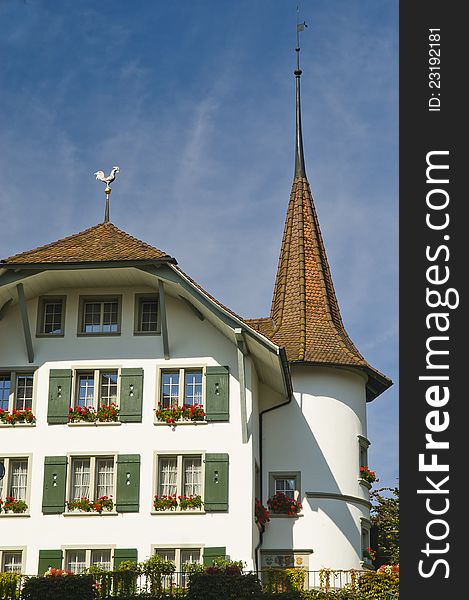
{"x":179,"y":475}
{"x":51,"y":316}
{"x":77,"y":560}
{"x":287,"y":483}
{"x":180,"y":557}
{"x":11,"y":561}
{"x":92,"y":477}
{"x":15,"y":481}
{"x":365,"y":538}
{"x":146,"y":314}
{"x":181,"y":386}
{"x":100,"y":315}
{"x":16,"y":391}
{"x":96,"y":388}
{"x":363,"y":445}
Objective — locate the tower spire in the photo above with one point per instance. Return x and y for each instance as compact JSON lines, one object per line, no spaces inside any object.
{"x":300,"y":170}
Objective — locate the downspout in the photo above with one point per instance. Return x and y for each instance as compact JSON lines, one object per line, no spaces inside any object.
{"x":288,"y":384}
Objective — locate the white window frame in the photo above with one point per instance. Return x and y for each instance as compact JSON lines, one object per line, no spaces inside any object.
{"x":41,"y":317}
{"x":12,"y":549}
{"x":5,"y":483}
{"x":179,"y":455}
{"x":88,"y":552}
{"x":92,"y":456}
{"x":77,"y":371}
{"x":14,"y":374}
{"x":99,"y":299}
{"x":182,"y":383}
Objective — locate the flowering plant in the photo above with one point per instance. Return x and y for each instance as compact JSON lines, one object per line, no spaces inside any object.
{"x":88,"y":414}
{"x":261,"y":514}
{"x":369,"y":553}
{"x":12,"y":505}
{"x":186,"y":412}
{"x":186,"y":502}
{"x":165,"y":502}
{"x":17,"y":416}
{"x":53,"y":572}
{"x":107,"y":413}
{"x":81,"y":413}
{"x":87,"y":505}
{"x":368,"y":475}
{"x":281,"y":504}
{"x":388,"y":569}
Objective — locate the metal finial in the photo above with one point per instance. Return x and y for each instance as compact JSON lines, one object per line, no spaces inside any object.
{"x":107,"y":180}
{"x":300,"y":169}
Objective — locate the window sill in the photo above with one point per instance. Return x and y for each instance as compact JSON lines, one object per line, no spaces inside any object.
{"x":365,"y":484}
{"x":50,"y":335}
{"x":17,"y":424}
{"x":83,"y":513}
{"x":6,"y":515}
{"x":177,"y":423}
{"x":285,"y":516}
{"x":367,"y":565}
{"x":93,"y":423}
{"x":178,"y":512}
{"x":98,"y":334}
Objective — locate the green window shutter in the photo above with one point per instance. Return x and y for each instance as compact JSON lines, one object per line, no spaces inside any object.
{"x":128,"y":482}
{"x":55,"y":478}
{"x":60,"y":389}
{"x":131,"y":394}
{"x":121,"y":554}
{"x":49,"y":558}
{"x":210,"y":554}
{"x":216,"y":482}
{"x":217,"y":398}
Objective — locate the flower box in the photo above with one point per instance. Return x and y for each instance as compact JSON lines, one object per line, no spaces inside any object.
{"x":17,"y":416}
{"x":190,"y":502}
{"x":165,"y":503}
{"x":104,"y":503}
{"x":367,"y":475}
{"x":87,"y":414}
{"x":10,"y":505}
{"x":281,"y":504}
{"x":175,"y":413}
{"x":369,"y":554}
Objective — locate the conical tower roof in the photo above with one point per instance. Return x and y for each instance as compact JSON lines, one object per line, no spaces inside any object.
{"x":305,"y":316}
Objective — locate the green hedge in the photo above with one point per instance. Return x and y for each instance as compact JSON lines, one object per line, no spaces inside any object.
{"x":72,"y":587}
{"x":9,"y":586}
{"x":217,"y":585}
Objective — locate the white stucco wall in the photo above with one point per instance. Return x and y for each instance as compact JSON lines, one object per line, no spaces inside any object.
{"x":317,"y":435}
{"x":193,"y":343}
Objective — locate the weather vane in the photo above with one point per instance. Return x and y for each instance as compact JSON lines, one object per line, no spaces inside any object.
{"x":107,"y":180}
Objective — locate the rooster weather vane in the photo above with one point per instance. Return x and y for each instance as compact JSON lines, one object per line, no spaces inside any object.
{"x":107,"y":180}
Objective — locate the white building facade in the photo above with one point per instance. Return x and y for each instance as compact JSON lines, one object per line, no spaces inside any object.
{"x":100,"y":334}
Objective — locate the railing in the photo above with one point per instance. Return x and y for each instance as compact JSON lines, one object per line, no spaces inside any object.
{"x":174,"y":585}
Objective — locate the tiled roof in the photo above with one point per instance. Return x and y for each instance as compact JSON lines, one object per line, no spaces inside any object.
{"x":305,"y":316}
{"x":102,"y":243}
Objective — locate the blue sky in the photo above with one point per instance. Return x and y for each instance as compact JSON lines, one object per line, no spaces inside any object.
{"x":194,"y":101}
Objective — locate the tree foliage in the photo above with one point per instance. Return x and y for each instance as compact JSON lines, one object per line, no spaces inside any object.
{"x":385,"y":516}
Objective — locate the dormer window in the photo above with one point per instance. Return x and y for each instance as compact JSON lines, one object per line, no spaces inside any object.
{"x":100,"y":315}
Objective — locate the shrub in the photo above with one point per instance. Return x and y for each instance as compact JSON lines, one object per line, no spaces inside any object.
{"x":284,"y":580}
{"x":217,"y":583}
{"x":74,"y":587}
{"x":374,"y":585}
{"x":9,"y":585}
